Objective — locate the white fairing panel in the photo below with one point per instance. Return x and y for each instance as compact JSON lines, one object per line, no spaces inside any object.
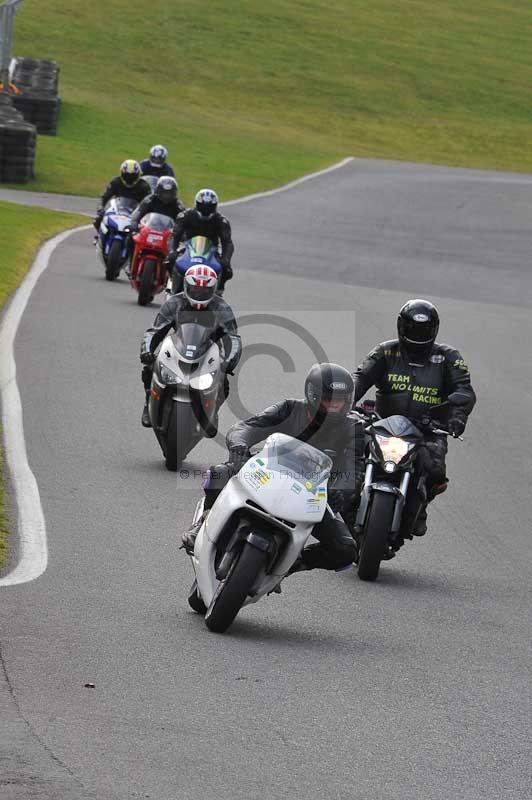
{"x":270,"y":485}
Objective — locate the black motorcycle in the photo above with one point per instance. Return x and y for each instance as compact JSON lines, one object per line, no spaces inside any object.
{"x":394,"y":491}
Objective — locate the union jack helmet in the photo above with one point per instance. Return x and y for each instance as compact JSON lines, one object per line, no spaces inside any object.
{"x":199,"y":285}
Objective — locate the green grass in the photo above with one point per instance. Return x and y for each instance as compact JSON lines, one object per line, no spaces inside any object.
{"x":247,"y":95}
{"x":24,"y":228}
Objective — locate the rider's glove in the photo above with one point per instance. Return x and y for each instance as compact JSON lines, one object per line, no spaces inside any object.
{"x":456,"y":427}
{"x":131,"y":228}
{"x":147,"y":357}
{"x":238,"y":455}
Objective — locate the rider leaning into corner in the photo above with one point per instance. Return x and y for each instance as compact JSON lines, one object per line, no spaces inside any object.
{"x":197,"y":303}
{"x":323,"y":420}
{"x":413,"y":374}
{"x":205,"y":220}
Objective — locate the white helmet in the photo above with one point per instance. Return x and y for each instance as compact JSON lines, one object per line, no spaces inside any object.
{"x":158,"y":155}
{"x":206,"y":203}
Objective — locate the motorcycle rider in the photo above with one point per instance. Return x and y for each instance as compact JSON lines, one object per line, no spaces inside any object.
{"x":128,"y":183}
{"x":156,"y":164}
{"x":198,"y":303}
{"x":164,"y":200}
{"x":412,"y":374}
{"x":322,"y":419}
{"x":205,"y":220}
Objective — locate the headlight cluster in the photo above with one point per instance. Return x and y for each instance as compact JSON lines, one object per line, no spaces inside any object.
{"x":392,"y":448}
{"x":202,"y":382}
{"x":169,"y":377}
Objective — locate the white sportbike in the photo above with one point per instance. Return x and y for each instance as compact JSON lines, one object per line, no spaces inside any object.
{"x":257,"y":528}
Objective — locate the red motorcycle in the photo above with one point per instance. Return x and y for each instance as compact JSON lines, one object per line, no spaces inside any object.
{"x":148,"y":275}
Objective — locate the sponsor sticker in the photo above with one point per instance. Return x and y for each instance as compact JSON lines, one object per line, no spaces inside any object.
{"x":437,"y":359}
{"x":297,"y":488}
{"x":257,"y":479}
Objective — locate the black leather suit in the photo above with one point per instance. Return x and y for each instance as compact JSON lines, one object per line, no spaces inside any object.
{"x":410,"y":385}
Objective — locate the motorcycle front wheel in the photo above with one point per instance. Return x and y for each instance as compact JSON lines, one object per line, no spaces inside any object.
{"x":180,"y":435}
{"x":375,"y":537}
{"x":231,"y":593}
{"x":113,"y":261}
{"x":147,"y":280}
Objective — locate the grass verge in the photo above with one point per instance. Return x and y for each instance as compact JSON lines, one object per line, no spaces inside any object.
{"x":24,"y":229}
{"x":247,"y":95}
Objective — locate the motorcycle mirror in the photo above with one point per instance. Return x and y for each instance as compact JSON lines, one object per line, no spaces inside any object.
{"x":458,"y":398}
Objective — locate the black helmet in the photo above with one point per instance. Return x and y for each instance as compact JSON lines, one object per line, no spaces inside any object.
{"x":166,"y":189}
{"x":329,"y":391}
{"x":417,"y":326}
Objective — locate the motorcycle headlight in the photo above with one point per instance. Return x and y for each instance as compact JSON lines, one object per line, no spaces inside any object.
{"x":392,"y":448}
{"x":169,"y":377}
{"x":202,"y":382}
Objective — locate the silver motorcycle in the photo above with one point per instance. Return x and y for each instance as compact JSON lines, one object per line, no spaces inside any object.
{"x":187,"y":390}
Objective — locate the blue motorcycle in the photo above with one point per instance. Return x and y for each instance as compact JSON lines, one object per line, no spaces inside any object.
{"x":113,"y":240}
{"x":197,"y":251}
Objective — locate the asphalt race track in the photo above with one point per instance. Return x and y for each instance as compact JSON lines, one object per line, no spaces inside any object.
{"x":415,"y":688}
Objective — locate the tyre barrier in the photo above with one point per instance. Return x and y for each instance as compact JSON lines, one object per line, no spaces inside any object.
{"x":37,"y":80}
{"x":18,"y":142}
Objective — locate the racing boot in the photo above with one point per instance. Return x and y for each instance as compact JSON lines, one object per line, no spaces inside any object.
{"x":420,"y":525}
{"x":145,"y":419}
{"x":188,"y":540}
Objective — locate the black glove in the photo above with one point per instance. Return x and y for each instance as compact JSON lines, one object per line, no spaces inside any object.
{"x":239,"y":455}
{"x":147,"y":357}
{"x":227,"y":368}
{"x":456,"y":427}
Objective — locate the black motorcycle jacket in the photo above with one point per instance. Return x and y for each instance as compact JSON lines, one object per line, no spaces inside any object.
{"x":217,"y":316}
{"x":153,"y":205}
{"x":294,"y":418}
{"x":410,"y":385}
{"x":158,"y":170}
{"x":217,"y":229}
{"x":117,"y":188}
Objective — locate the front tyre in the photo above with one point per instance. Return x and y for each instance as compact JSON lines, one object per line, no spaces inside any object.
{"x":146,"y":283}
{"x":231,"y":593}
{"x":113,"y":261}
{"x":376,"y":533}
{"x":180,"y":436}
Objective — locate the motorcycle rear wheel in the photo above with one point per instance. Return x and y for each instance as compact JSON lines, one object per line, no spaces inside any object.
{"x":233,"y":590}
{"x":147,"y":280}
{"x":113,"y":261}
{"x":375,"y":538}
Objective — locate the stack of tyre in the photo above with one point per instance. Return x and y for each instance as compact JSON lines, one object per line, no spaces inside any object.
{"x":38,"y":80}
{"x":18,"y":141}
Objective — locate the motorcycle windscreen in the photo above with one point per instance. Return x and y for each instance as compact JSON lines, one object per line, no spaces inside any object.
{"x":192,"y":340}
{"x":201,"y":247}
{"x":158,"y":222}
{"x":299,"y":460}
{"x":121,"y":205}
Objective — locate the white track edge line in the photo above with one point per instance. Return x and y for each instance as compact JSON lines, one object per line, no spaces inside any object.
{"x":32,"y":545}
{"x":291,"y":185}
